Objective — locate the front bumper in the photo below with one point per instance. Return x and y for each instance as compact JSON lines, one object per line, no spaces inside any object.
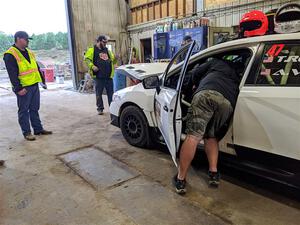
{"x":114,"y":120}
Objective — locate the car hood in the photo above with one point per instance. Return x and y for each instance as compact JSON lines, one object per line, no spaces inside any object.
{"x":142,"y":70}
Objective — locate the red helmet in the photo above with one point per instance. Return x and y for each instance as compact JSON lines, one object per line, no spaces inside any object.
{"x":254,"y":23}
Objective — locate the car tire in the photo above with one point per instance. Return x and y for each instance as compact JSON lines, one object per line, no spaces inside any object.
{"x":134,"y":127}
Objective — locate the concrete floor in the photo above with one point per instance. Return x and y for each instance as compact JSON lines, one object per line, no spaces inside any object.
{"x":86,"y":173}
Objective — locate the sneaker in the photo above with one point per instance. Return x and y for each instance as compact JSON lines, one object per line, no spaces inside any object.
{"x":43,"y":132}
{"x":179,"y":185}
{"x":29,"y":137}
{"x":213,"y":179}
{"x":100,"y":112}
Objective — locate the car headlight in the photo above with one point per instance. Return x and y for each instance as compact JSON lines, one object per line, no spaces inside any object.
{"x":116,"y":97}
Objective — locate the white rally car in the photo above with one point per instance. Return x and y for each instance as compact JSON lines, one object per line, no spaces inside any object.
{"x":264,"y":133}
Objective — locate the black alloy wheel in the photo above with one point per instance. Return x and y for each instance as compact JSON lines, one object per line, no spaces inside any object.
{"x":134,"y":126}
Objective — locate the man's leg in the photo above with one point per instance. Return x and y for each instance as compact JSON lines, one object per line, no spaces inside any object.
{"x":34,"y":110}
{"x":198,"y":116}
{"x":187,"y":153}
{"x":109,"y":86}
{"x":23,"y":112}
{"x":216,"y":129}
{"x":99,"y":90}
{"x":212,"y":153}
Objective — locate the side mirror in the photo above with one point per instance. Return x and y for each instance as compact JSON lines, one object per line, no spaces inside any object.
{"x":151,"y":82}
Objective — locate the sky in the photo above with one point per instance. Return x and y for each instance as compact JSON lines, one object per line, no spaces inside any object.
{"x":32,"y":16}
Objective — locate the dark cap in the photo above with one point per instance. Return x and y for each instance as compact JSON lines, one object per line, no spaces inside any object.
{"x":187,"y":38}
{"x":102,"y":38}
{"x":22,"y":34}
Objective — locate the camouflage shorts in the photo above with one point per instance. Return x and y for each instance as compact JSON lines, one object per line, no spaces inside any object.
{"x":208,"y":114}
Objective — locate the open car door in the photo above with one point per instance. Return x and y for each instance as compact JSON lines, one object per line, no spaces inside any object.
{"x":167,"y":99}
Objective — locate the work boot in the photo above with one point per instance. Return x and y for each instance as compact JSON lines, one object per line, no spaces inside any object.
{"x":179,"y":185}
{"x":43,"y":132}
{"x":213,"y":179}
{"x":29,"y":137}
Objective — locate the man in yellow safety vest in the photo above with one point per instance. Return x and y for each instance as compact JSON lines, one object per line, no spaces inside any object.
{"x":25,"y":76}
{"x":101,"y":61}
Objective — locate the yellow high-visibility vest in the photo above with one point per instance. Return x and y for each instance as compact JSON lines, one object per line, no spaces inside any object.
{"x":28,"y":72}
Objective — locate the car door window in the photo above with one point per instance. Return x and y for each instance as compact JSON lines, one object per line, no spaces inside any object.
{"x":279,"y":66}
{"x":238,"y":59}
{"x":172,"y":75}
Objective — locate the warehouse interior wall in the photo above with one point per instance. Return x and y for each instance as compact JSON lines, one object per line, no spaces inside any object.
{"x":145,"y":10}
{"x":230,"y":13}
{"x":90,"y":18}
{"x":212,"y":3}
{"x":136,"y":40}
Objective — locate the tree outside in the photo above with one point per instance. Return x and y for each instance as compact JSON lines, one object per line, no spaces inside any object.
{"x":39,"y":42}
{"x":51,"y":50}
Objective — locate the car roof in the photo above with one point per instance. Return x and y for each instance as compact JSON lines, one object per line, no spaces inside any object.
{"x":244,"y":42}
{"x":248,"y":41}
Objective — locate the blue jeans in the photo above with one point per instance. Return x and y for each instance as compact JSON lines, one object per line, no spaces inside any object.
{"x":29,"y":105}
{"x":106,"y":83}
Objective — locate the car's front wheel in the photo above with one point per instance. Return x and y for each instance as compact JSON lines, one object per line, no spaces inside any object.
{"x":134,"y":127}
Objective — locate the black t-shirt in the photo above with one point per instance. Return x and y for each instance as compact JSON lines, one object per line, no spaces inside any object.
{"x":218,"y":75}
{"x":103,"y":62}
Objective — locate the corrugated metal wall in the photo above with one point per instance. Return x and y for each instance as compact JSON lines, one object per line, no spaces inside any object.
{"x":89,"y":19}
{"x":229,"y":14}
{"x":224,"y":15}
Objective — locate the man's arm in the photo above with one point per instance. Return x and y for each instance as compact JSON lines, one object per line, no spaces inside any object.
{"x":187,"y":84}
{"x":42,"y":75}
{"x":88,"y":58}
{"x":200,"y":71}
{"x":13,"y":71}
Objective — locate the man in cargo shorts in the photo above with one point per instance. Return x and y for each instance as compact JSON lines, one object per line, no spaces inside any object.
{"x":217,"y":87}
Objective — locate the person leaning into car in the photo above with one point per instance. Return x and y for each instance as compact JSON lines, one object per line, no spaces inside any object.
{"x":100,"y":62}
{"x":217,"y":86}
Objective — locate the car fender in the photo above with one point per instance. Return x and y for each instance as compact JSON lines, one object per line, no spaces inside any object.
{"x":136,"y":95}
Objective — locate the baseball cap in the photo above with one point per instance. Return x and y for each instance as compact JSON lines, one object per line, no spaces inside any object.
{"x":102,"y":38}
{"x":22,"y":34}
{"x":187,"y":38}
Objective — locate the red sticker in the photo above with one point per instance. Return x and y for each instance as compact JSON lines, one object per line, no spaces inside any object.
{"x":275,"y":50}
